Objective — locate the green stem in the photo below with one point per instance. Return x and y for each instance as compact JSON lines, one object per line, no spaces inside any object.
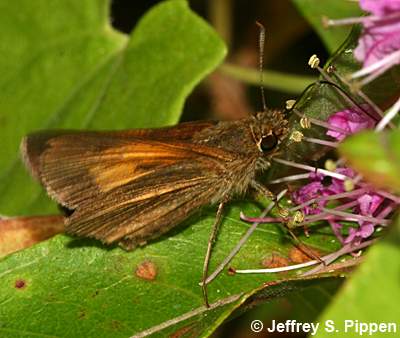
{"x":285,"y":82}
{"x":221,"y":18}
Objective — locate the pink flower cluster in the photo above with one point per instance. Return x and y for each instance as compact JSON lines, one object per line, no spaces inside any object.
{"x":378,"y":49}
{"x":320,"y":186}
{"x":339,"y":196}
{"x":363,"y":202}
{"x":367,"y":205}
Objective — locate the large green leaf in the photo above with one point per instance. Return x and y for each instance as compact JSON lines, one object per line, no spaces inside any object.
{"x":82,"y":288}
{"x":70,"y":69}
{"x":314,"y":11}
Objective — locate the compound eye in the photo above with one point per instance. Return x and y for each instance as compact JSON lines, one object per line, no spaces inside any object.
{"x":268,"y":143}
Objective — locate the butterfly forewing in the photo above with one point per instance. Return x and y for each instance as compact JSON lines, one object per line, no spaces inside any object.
{"x":126,"y":184}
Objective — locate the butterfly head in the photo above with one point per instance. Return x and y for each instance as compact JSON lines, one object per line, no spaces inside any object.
{"x":269,"y":129}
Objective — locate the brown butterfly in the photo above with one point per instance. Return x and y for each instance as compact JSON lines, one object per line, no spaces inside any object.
{"x":134,"y":185}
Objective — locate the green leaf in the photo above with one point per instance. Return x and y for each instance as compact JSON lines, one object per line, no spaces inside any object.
{"x":70,"y":69}
{"x":99,"y":290}
{"x":376,"y":156}
{"x":372,"y":293}
{"x":314,"y":11}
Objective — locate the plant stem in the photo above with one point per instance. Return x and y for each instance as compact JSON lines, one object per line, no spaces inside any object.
{"x":289,"y":83}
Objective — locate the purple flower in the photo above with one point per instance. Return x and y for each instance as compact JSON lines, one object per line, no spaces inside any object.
{"x":337,"y":186}
{"x":378,"y":40}
{"x":368,"y":204}
{"x":380,"y":7}
{"x":308,"y":192}
{"x":361,"y":202}
{"x":381,"y":33}
{"x":319,"y":186}
{"x":349,"y":121}
{"x":357,"y":235}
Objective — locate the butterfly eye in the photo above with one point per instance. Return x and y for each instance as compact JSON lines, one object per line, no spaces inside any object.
{"x":268,"y":143}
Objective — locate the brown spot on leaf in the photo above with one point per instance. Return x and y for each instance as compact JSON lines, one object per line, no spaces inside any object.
{"x":146,"y":270}
{"x":20,"y":284}
{"x":303,"y":254}
{"x":274,"y":261}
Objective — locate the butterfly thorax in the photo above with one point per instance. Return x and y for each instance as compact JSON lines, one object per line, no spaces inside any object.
{"x":253,"y":141}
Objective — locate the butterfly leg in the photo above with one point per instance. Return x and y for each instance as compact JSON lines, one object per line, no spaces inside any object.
{"x":207,"y":257}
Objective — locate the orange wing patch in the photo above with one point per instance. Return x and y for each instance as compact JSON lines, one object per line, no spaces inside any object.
{"x":118,"y":166}
{"x":109,"y":177}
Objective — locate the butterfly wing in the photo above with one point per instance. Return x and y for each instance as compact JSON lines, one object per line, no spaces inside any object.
{"x":33,"y":145}
{"x":123,"y":184}
{"x":143,"y":209}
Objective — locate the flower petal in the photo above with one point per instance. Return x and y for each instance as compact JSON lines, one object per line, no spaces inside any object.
{"x":380,"y":7}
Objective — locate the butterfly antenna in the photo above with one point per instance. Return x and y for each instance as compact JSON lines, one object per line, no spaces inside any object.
{"x":261,"y":43}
